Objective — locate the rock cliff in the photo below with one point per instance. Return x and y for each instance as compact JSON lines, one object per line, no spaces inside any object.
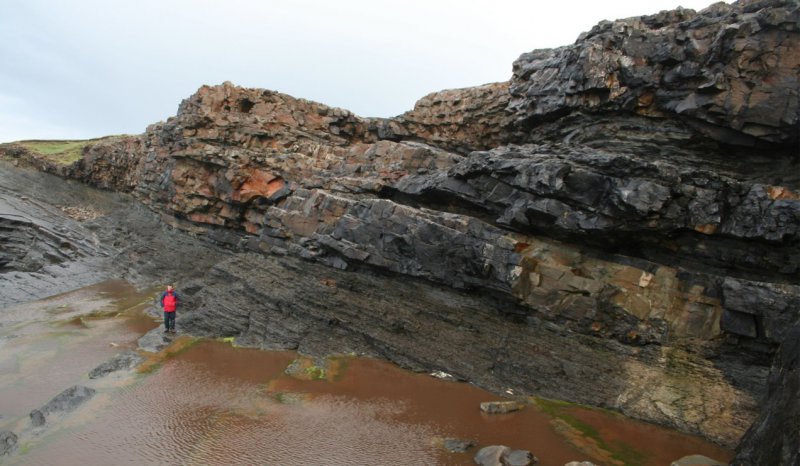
{"x":618,"y":224}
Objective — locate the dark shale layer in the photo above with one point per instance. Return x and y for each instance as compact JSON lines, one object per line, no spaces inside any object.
{"x":618,"y":224}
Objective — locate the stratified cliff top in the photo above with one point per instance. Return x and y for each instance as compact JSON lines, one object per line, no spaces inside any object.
{"x":710,"y":83}
{"x":729,"y":71}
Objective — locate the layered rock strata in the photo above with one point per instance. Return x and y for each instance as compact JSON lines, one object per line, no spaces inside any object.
{"x":635,"y":193}
{"x":728,"y":72}
{"x":774,"y":437}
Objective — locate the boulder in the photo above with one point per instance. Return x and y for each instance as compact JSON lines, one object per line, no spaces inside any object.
{"x":501,"y":455}
{"x":457,"y":445}
{"x":501,"y":407}
{"x":491,"y":455}
{"x":37,"y":418}
{"x":519,"y":458}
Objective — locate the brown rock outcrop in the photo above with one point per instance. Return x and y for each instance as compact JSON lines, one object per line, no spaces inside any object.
{"x":636,"y":188}
{"x":460,"y":120}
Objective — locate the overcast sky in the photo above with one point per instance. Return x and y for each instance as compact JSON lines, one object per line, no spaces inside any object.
{"x":79,"y":69}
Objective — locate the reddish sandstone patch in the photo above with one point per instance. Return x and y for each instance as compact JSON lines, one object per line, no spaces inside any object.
{"x":258,"y":183}
{"x":206,"y":218}
{"x":706,"y":229}
{"x":779,"y":192}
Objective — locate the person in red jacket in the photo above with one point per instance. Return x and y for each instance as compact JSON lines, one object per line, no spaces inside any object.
{"x":169,"y":302}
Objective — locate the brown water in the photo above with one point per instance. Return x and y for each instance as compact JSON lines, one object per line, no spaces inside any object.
{"x":51,"y":344}
{"x":207,"y":402}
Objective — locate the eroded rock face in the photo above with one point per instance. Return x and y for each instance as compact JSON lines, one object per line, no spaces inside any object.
{"x":461,"y":120}
{"x":631,"y":201}
{"x":774,"y":437}
{"x":730,"y":71}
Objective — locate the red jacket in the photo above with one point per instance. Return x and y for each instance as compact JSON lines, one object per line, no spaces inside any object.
{"x":169,"y":301}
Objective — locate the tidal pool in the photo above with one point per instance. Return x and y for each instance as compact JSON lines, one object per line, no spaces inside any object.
{"x":204,"y":402}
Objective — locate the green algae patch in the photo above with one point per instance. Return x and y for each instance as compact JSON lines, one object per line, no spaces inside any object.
{"x":290,"y":398}
{"x":586,"y":437}
{"x":315,"y":373}
{"x":304,"y":368}
{"x":229,"y":340}
{"x":331,"y":368}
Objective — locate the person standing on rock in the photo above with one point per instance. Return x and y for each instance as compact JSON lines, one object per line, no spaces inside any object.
{"x":169,"y":302}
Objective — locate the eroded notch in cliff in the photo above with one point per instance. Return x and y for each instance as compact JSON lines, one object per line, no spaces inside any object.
{"x":245,"y":105}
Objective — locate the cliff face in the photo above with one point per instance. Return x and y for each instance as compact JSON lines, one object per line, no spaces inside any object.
{"x":774,"y":437}
{"x":630,"y":202}
{"x":729,"y":73}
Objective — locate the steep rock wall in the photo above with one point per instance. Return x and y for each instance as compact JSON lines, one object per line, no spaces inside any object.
{"x":730,"y":72}
{"x":628,"y":192}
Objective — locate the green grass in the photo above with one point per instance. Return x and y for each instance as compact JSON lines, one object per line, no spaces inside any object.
{"x":63,"y":152}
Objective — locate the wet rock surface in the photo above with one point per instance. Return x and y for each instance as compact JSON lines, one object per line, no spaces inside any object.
{"x":457,"y":445}
{"x":123,"y":361}
{"x":155,"y":340}
{"x":623,"y":210}
{"x":64,"y":402}
{"x":501,"y":407}
{"x":500,"y":455}
{"x":8,"y":442}
{"x":774,"y":436}
{"x":127,"y":241}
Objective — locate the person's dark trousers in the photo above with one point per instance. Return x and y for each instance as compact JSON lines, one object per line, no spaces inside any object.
{"x":169,"y":320}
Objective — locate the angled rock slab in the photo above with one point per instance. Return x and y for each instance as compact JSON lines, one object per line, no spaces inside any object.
{"x":64,"y":402}
{"x":154,"y":341}
{"x":123,"y":361}
{"x":501,"y":407}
